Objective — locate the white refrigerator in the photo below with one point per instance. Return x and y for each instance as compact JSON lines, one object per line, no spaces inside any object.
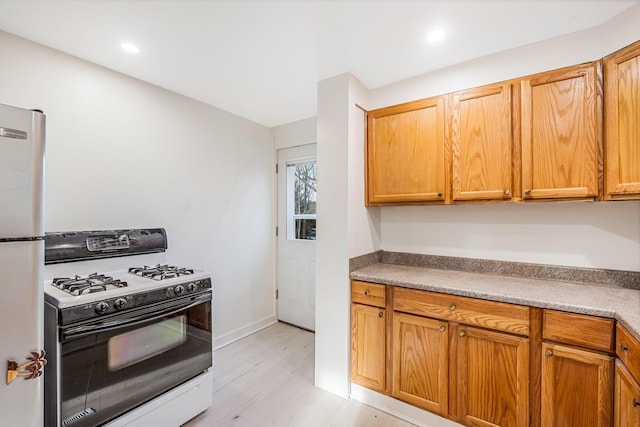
{"x":22,"y":360}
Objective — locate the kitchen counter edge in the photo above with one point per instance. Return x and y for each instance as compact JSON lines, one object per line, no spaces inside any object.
{"x":610,"y":301}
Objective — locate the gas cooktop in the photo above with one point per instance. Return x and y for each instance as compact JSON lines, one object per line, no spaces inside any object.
{"x":76,"y":290}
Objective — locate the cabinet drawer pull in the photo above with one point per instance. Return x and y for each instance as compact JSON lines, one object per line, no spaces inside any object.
{"x":442,"y":329}
{"x":463,"y":334}
{"x":635,"y":403}
{"x":380,"y":314}
{"x":366,"y":292}
{"x":624,"y":347}
{"x":452,"y":307}
{"x":548,"y":353}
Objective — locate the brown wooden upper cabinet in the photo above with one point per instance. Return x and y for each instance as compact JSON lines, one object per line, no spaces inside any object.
{"x":535,"y":138}
{"x":482,"y":143}
{"x":406,"y":153}
{"x":560,"y":134}
{"x":622,"y":123}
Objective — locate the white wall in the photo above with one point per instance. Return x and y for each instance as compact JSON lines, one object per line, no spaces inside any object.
{"x":364,"y":223}
{"x":302,"y":132}
{"x":598,"y":235}
{"x":332,"y":244}
{"x":122,"y":153}
{"x":345,"y":227}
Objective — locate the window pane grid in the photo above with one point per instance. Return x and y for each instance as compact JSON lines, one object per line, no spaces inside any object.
{"x":301,"y":201}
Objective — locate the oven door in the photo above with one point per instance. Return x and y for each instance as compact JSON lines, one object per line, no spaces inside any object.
{"x":109,"y":367}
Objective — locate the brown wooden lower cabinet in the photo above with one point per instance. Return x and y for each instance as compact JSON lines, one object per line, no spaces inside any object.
{"x":627,"y":402}
{"x":463,"y":361}
{"x":421,"y":362}
{"x":576,"y":387}
{"x":368,"y":346}
{"x":493,"y":378}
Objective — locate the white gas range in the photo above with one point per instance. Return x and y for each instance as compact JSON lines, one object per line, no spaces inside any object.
{"x":129,"y":337}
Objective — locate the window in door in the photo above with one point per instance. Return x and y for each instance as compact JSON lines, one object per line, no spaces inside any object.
{"x":301,"y":200}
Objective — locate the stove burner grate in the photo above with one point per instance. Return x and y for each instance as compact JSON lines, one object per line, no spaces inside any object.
{"x":92,"y":283}
{"x":160,"y":272}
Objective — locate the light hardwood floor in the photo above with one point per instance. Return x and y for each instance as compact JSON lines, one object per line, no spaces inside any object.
{"x":266,"y":379}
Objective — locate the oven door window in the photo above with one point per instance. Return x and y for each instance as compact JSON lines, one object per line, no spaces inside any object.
{"x":106,"y":374}
{"x":135,"y":346}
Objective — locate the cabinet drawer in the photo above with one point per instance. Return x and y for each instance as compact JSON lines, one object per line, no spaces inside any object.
{"x":578,"y":329}
{"x":628,"y":350}
{"x":368,"y":293}
{"x":487,"y":314}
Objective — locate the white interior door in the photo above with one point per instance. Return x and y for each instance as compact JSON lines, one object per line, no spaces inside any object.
{"x":296,"y":236}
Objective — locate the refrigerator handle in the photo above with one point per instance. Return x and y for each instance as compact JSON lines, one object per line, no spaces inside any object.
{"x":29,"y":370}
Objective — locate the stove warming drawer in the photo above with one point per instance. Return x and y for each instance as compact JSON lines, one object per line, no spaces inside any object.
{"x":170,"y":408}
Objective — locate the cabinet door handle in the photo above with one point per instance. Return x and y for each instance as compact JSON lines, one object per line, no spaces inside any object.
{"x":380,"y":314}
{"x":452,"y":307}
{"x":527,"y":191}
{"x":463,"y":334}
{"x":548,"y":353}
{"x":442,"y":329}
{"x":624,"y":347}
{"x":507,"y":192}
{"x":366,"y":292}
{"x":635,"y":403}
{"x":439,"y":194}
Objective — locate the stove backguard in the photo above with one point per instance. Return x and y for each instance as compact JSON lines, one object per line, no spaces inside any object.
{"x":71,"y":246}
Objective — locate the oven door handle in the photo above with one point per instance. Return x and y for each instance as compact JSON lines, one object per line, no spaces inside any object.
{"x":82,"y":331}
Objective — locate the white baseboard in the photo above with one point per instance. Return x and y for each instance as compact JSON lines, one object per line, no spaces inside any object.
{"x":399,"y":409}
{"x":228,"y":338}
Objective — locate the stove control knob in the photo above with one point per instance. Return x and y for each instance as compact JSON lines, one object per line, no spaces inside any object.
{"x":102,"y":307}
{"x":179,"y":290}
{"x":192,"y":287}
{"x":120,"y":303}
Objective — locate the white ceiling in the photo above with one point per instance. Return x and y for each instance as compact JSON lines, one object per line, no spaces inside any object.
{"x":262,"y":59}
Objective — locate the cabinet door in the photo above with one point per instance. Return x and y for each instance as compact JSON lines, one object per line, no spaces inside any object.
{"x":481,"y":143}
{"x":576,"y":387}
{"x":627,"y":399}
{"x":368,"y":346}
{"x":560,"y":138}
{"x":405,"y":153}
{"x":493,"y":378}
{"x":420,"y":363}
{"x":622,"y":123}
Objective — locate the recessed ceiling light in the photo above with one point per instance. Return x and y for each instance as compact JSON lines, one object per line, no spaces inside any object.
{"x":435,"y":36}
{"x":128,"y":47}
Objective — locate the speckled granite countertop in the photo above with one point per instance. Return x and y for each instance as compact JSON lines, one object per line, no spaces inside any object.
{"x":606,"y":300}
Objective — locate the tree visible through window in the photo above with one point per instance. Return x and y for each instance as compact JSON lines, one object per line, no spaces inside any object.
{"x":301,"y":201}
